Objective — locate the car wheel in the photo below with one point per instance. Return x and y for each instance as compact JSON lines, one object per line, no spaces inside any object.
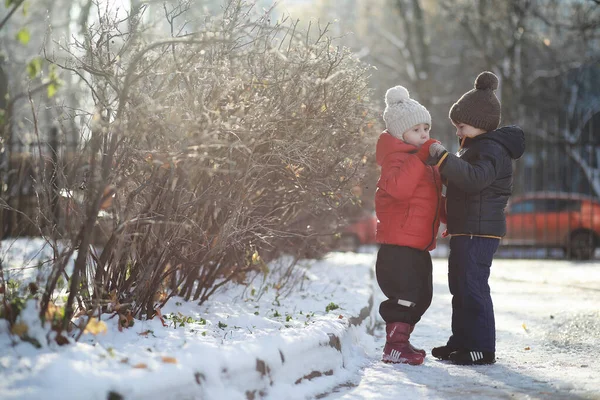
{"x":348,"y":242}
{"x":582,"y":246}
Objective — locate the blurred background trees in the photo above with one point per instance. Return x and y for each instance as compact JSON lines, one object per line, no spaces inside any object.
{"x":545,"y":53}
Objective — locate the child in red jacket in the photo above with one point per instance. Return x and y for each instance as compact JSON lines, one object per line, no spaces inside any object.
{"x":408,"y":203}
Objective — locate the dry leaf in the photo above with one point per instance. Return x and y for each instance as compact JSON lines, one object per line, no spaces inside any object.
{"x":61,"y":340}
{"x":169,"y":360}
{"x":140,"y":366}
{"x":19,"y":329}
{"x":125,"y":320}
{"x":161,"y":295}
{"x":159,"y":315}
{"x":95,"y":327}
{"x":53,"y":312}
{"x":296,"y":169}
{"x":214,"y":242}
{"x":107,"y":197}
{"x":527,"y":348}
{"x":114,"y":302}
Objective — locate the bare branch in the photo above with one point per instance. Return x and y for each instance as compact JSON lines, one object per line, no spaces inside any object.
{"x":10,"y":13}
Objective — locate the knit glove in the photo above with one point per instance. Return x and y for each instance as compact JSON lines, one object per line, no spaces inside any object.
{"x":436,"y":152}
{"x":424,"y":151}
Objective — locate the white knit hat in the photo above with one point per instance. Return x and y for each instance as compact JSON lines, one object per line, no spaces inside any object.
{"x":401,"y":112}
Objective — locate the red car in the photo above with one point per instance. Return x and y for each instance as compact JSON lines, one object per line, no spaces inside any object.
{"x":566,"y":220}
{"x":359,"y":232}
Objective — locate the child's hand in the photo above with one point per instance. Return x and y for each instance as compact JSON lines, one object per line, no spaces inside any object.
{"x":436,"y":153}
{"x":424,"y":151}
{"x":436,"y":150}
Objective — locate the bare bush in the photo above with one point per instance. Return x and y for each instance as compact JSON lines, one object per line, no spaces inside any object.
{"x":209,"y":155}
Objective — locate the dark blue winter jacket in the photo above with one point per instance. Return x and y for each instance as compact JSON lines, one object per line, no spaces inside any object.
{"x":480,"y":181}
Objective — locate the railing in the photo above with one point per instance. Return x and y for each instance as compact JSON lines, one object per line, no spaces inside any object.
{"x":554,"y":211}
{"x":24,"y":169}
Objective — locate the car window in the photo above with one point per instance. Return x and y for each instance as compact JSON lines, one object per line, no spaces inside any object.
{"x":573,"y":205}
{"x":561,"y":205}
{"x":545,"y":205}
{"x":522,"y":207}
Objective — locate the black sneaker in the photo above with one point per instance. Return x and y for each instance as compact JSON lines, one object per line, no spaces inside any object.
{"x":443,"y":352}
{"x":469,"y":357}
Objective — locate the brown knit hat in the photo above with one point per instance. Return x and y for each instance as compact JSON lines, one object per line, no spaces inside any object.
{"x":479,"y":107}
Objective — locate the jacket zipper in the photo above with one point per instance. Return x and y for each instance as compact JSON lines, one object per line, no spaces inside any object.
{"x":437,"y":209}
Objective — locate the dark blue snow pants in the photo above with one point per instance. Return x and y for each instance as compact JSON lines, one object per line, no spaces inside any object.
{"x":469,"y":263}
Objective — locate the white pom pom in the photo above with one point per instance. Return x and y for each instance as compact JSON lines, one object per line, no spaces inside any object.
{"x":396,"y":95}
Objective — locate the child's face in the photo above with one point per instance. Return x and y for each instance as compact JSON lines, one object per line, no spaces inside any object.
{"x":417,"y":135}
{"x":464,"y":130}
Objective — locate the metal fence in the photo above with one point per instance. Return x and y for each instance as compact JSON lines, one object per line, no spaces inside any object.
{"x":554,"y":211}
{"x":25,"y":169}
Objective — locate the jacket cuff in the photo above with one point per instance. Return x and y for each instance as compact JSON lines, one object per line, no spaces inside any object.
{"x":442,"y":159}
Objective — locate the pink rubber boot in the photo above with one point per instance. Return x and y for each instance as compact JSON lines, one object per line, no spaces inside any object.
{"x":412,"y":328}
{"x":397,"y":348}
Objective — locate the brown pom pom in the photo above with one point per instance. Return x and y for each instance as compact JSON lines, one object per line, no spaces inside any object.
{"x":486,"y":81}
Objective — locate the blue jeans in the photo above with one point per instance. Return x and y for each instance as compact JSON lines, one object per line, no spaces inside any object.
{"x":469,"y":263}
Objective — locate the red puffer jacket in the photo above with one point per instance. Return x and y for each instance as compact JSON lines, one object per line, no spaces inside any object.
{"x":408,"y":201}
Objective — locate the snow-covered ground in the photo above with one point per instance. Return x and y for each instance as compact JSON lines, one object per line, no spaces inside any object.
{"x":548,"y":340}
{"x":252,"y":344}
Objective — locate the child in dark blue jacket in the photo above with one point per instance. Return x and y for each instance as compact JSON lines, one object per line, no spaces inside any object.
{"x":479,"y":182}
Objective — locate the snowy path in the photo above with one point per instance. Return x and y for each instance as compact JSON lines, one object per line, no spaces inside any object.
{"x":548,"y":334}
{"x":547,"y":320}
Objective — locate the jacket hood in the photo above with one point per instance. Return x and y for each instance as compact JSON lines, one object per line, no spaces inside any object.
{"x":387,"y":144}
{"x":511,"y":137}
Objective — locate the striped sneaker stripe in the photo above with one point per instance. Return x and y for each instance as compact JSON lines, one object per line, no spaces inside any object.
{"x":476,"y":355}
